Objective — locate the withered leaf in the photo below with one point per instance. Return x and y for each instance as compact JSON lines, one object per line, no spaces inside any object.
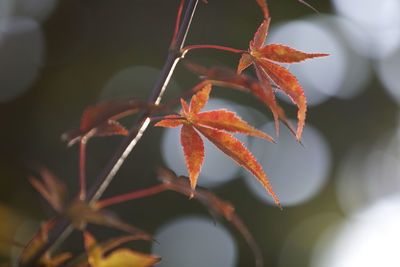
{"x":100,"y":119}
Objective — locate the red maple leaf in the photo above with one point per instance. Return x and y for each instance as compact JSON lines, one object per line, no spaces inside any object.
{"x":261,"y":56}
{"x":213,"y":125}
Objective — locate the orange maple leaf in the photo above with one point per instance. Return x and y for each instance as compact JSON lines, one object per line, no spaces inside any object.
{"x":225,"y":77}
{"x":212,"y":124}
{"x":261,"y":55}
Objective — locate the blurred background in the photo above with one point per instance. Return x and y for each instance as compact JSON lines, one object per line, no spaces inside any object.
{"x":340,"y":192}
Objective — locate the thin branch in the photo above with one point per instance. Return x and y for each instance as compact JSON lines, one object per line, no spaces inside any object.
{"x":218,"y":47}
{"x":135,"y":134}
{"x":308,"y":5}
{"x":133,"y":195}
{"x":178,"y":21}
{"x":153,"y":119}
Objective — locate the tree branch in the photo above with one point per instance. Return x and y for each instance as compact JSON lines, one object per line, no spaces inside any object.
{"x":63,"y":227}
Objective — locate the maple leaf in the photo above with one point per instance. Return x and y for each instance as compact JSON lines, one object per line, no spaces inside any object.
{"x":212,"y":124}
{"x":222,"y":76}
{"x":119,"y":257}
{"x":100,"y":119}
{"x":261,"y":56}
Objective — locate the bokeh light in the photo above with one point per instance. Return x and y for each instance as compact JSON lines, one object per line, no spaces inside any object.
{"x":382,"y":170}
{"x":350,"y":184}
{"x":217,"y":167}
{"x":388,"y":71}
{"x":369,"y":238}
{"x":296,"y":173}
{"x":193,"y":241}
{"x":379,"y":21}
{"x":135,"y":81}
{"x":5,"y":8}
{"x":357,"y":67}
{"x":21,"y":54}
{"x":36,"y":9}
{"x":296,"y":247}
{"x":321,"y":77}
{"x":368,"y":175}
{"x":343,"y":74}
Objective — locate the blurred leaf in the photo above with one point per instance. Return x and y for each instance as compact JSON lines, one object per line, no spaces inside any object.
{"x":53,"y":190}
{"x":82,"y":260}
{"x":37,"y":242}
{"x":216,"y":207}
{"x":57,"y":261}
{"x":81,"y":213}
{"x":119,"y":257}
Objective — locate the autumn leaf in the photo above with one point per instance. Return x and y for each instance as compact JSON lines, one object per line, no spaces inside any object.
{"x":216,"y":207}
{"x":82,"y":259}
{"x":212,"y":125}
{"x":37,"y":242}
{"x":263,"y":91}
{"x":261,"y":56}
{"x":100,"y":119}
{"x":78,"y":212}
{"x":52,"y":189}
{"x":119,"y":257}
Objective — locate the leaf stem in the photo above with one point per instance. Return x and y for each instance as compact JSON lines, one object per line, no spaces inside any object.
{"x":132,"y":195}
{"x":218,"y":47}
{"x":159,"y":118}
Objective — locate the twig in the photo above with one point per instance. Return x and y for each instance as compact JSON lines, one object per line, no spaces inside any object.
{"x":133,"y":195}
{"x":103,"y":180}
